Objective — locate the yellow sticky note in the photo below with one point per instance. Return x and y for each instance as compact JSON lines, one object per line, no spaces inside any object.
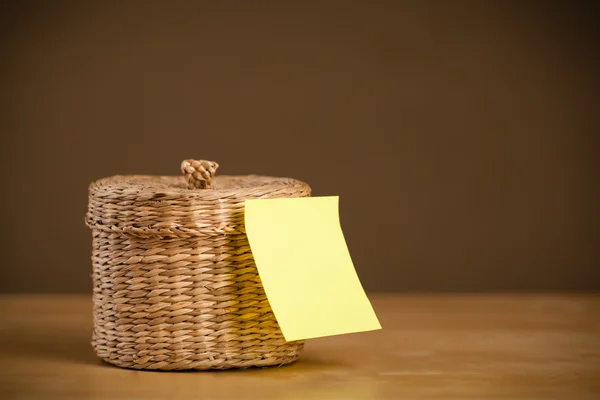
{"x":305,"y":267}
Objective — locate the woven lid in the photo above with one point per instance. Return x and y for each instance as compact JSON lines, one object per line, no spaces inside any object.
{"x":197,"y":203}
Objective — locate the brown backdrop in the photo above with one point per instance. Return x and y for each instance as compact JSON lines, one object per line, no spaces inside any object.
{"x":461,"y":136}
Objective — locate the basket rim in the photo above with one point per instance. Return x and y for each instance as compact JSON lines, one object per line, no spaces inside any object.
{"x":163,"y":206}
{"x":156,"y":186}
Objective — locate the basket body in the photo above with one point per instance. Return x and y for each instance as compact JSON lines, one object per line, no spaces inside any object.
{"x":175,"y":284}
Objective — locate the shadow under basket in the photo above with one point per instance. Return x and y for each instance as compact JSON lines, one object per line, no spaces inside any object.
{"x":175,"y":284}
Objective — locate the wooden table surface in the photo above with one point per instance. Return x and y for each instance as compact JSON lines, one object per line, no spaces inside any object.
{"x":432,"y":347}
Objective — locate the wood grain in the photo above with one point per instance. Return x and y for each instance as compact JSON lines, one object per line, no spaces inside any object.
{"x":432,"y":346}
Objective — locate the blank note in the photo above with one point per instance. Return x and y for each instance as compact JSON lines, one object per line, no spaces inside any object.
{"x":305,"y":267}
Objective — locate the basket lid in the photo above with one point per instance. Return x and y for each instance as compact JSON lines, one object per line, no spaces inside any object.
{"x":193,"y":204}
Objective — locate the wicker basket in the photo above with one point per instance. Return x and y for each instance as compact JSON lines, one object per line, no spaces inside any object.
{"x":175,"y":284}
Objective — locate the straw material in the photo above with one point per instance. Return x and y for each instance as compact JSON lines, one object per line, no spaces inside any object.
{"x":199,"y":173}
{"x":175,"y":284}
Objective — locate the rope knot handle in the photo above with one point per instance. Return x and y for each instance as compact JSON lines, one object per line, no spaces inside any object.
{"x":198,"y":173}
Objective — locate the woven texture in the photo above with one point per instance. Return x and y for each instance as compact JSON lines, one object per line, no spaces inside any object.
{"x":175,"y":284}
{"x":199,"y":173}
